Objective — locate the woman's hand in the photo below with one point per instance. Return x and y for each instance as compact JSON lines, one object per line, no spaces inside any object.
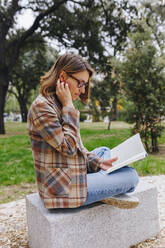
{"x":63,"y":93}
{"x":106,"y":164}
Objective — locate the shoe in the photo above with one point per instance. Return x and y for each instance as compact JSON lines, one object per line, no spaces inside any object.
{"x":122,"y":201}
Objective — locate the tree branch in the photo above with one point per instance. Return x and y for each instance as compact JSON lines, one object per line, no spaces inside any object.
{"x":12,"y":92}
{"x":19,"y":42}
{"x":36,"y":22}
{"x":7,"y":17}
{"x":105,"y":12}
{"x":88,"y":4}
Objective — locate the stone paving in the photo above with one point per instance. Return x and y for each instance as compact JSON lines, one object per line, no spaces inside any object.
{"x":13,"y":227}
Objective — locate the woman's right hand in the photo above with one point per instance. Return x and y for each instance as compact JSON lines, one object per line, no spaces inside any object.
{"x":106,"y":164}
{"x":64,"y":95}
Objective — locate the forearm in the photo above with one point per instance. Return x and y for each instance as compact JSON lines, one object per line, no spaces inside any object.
{"x":61,"y":136}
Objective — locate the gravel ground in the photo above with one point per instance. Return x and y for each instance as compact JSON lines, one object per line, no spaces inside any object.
{"x":13,"y":227}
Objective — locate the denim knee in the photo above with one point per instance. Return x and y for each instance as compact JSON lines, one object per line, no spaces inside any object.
{"x":135,"y":176}
{"x":105,"y":148}
{"x":134,"y":179}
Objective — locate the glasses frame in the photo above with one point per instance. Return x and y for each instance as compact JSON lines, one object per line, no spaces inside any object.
{"x":79,"y":82}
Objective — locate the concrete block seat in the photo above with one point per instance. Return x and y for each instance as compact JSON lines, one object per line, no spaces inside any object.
{"x":97,"y":225}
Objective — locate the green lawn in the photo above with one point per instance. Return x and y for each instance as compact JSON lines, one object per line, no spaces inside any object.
{"x":16,"y":164}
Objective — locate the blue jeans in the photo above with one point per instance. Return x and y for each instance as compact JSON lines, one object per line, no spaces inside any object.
{"x":101,"y":185}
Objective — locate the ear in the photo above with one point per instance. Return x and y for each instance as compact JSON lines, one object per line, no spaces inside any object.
{"x":62,"y":76}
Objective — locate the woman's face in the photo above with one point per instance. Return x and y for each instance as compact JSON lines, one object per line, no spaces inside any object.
{"x":76,"y":82}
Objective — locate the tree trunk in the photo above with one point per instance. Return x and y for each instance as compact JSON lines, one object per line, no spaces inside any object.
{"x":154,"y":142}
{"x":147,"y":146}
{"x":109,"y":123}
{"x":23,"y":108}
{"x":115,"y":110}
{"x":3,"y":92}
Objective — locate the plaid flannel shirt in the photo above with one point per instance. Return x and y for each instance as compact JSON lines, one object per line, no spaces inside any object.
{"x":61,"y":161}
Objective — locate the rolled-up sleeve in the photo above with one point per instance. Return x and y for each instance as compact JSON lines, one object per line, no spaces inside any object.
{"x":93,"y":162}
{"x":61,"y":136}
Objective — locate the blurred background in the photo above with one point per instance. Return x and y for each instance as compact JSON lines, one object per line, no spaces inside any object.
{"x":123,"y":40}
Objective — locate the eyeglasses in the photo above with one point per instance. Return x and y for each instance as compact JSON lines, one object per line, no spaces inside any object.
{"x":79,"y":82}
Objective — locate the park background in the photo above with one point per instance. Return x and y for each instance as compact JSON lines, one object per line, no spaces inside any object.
{"x":124,"y":43}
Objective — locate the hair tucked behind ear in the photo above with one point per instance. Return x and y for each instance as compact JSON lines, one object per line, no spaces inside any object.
{"x":70,"y":63}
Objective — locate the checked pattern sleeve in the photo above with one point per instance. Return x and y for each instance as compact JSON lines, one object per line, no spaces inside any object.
{"x":61,"y":136}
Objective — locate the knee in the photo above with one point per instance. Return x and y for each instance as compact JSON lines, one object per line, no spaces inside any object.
{"x":106,"y":151}
{"x":105,"y":148}
{"x":135,"y":176}
{"x":134,"y":179}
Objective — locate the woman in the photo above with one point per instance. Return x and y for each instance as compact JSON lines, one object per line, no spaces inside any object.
{"x":67,"y":174}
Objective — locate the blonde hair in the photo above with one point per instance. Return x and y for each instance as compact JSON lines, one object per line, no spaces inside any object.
{"x":70,"y":63}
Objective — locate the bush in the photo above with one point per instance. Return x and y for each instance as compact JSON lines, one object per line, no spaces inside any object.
{"x":82,"y":116}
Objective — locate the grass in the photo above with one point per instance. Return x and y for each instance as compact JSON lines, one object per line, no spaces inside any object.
{"x":14,"y":128}
{"x":95,"y":138}
{"x":16,"y":163}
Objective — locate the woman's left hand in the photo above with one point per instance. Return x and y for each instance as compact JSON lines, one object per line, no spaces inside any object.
{"x":106,"y":164}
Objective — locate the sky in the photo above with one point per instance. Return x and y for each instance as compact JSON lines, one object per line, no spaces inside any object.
{"x":25,"y":20}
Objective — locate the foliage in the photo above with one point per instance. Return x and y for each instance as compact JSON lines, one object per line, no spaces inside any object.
{"x":96,"y":29}
{"x":154,"y":18}
{"x":81,"y":107}
{"x":105,"y":95}
{"x":12,"y":103}
{"x":83,"y":116}
{"x":32,"y":63}
{"x":125,"y":114}
{"x":144,"y":78}
{"x":25,"y":76}
{"x":13,"y":40}
{"x":100,"y":99}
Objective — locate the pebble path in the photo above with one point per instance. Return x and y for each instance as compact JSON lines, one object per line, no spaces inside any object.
{"x":13,"y":226}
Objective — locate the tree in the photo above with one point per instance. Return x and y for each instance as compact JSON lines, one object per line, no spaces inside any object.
{"x":108,"y":19}
{"x":31,"y":64}
{"x":92,"y":27}
{"x":153,"y":15}
{"x":105,"y":93}
{"x":113,"y":32}
{"x":144,"y":79}
{"x":98,"y":32}
{"x":12,"y":41}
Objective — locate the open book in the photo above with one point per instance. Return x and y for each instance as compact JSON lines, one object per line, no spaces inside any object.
{"x":127,"y":152}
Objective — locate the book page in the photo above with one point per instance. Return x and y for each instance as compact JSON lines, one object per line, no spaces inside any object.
{"x":127,"y":152}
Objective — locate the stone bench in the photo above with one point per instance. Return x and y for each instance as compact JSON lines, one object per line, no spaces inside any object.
{"x":97,"y":225}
